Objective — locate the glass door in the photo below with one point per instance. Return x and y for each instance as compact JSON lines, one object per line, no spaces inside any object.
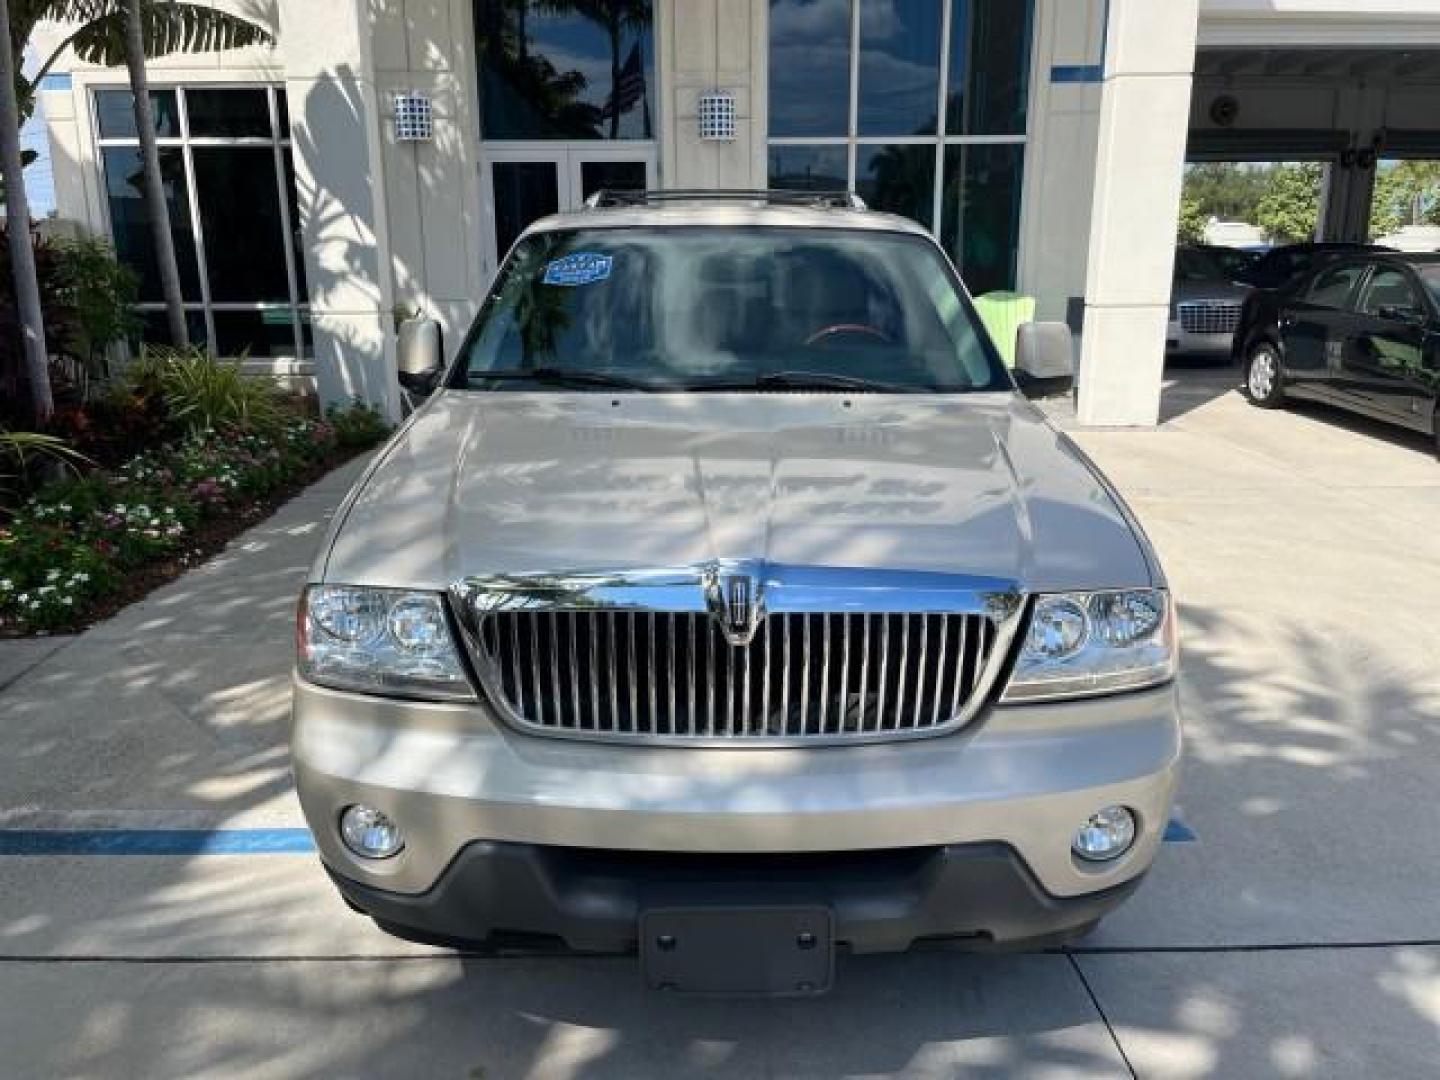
{"x":522,"y":184}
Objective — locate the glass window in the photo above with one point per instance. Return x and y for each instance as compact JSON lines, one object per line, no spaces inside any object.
{"x":130,"y":218}
{"x":809,"y":168}
{"x":524,"y":192}
{"x":809,"y":68}
{"x":1388,"y":289}
{"x":155,"y":326}
{"x":229,"y":112}
{"x":268,"y":332}
{"x":716,"y":307}
{"x":980,"y":216}
{"x":898,"y":179}
{"x":989,"y":84}
{"x":1430,"y":275}
{"x":297,"y":237}
{"x":1333,"y":288}
{"x":240,"y":219}
{"x":566,"y":71}
{"x":241,"y":272}
{"x":899,"y":67}
{"x":115,"y":113}
{"x":884,"y":139}
{"x":611,"y":175}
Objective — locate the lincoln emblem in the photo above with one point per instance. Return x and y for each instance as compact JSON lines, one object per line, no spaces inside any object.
{"x":733,"y":600}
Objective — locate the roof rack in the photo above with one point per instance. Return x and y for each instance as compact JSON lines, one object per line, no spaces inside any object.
{"x":609,"y":198}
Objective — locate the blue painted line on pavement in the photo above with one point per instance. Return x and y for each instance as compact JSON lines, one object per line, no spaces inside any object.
{"x":1177,"y":832}
{"x":230,"y":841}
{"x":155,"y":841}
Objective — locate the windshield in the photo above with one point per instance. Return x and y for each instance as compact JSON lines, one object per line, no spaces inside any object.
{"x":1233,"y":261}
{"x":1430,"y":275}
{"x":1194,"y":265}
{"x":697,"y":308}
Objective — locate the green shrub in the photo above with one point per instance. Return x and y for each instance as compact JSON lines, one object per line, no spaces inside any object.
{"x":100,"y":293}
{"x":358,"y":426}
{"x":202,"y":393}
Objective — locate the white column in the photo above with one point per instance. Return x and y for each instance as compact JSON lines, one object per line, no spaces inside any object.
{"x":337,"y":125}
{"x":712,"y":45}
{"x":1139,"y":167}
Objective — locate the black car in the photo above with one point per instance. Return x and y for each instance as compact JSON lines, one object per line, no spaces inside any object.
{"x":1281,"y":265}
{"x":1362,"y":332}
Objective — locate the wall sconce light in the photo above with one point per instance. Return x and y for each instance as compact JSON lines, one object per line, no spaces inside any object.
{"x":414,"y":118}
{"x":716,"y":112}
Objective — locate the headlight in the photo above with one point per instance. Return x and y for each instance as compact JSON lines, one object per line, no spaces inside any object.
{"x":388,"y":641}
{"x":1095,"y":643}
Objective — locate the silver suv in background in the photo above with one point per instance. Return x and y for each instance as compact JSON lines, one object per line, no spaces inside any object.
{"x":1205,"y":305}
{"x":727,"y":602}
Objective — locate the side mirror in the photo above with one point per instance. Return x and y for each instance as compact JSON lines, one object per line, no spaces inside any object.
{"x":419,"y":354}
{"x":1403,"y":313}
{"x":1044,"y":358}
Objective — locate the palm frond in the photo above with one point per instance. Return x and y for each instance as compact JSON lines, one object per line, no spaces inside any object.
{"x":168,"y":28}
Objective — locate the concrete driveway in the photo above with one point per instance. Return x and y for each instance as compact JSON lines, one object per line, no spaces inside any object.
{"x":1298,"y":933}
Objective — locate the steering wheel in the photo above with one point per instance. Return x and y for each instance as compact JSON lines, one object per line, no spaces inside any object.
{"x":861,"y":329}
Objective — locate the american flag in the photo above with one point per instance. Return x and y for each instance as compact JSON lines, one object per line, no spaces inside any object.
{"x":629,"y":88}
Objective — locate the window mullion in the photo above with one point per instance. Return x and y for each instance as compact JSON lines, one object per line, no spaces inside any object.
{"x":852,"y":129}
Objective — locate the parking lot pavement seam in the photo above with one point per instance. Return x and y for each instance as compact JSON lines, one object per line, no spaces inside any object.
{"x":14,"y":678}
{"x":1104,"y":1019}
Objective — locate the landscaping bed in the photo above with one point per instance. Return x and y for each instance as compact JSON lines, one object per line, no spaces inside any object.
{"x":82,"y":546}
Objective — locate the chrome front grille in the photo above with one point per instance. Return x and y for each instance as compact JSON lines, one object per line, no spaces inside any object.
{"x":1209,"y":316}
{"x":671,"y":676}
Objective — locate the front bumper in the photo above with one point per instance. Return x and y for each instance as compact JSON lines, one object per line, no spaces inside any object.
{"x":881,"y":901}
{"x":1021,"y":776}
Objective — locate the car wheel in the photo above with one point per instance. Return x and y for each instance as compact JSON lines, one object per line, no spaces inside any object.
{"x":1264,"y":378}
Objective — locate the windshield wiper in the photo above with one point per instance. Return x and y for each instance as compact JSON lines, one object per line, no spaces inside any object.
{"x":553,"y":376}
{"x":810,"y":380}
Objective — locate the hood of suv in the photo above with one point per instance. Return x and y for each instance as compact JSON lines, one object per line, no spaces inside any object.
{"x":512,"y":483}
{"x":1183,"y":291}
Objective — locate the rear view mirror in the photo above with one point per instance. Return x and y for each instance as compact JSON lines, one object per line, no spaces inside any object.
{"x":1044,"y":358}
{"x":419,"y":355}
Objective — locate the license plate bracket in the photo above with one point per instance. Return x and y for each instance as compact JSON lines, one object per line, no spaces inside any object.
{"x":771,"y":951}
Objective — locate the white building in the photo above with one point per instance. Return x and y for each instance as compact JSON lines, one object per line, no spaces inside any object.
{"x":1043,"y":139}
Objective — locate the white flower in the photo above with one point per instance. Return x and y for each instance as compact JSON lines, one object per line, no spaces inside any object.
{"x":6,"y":584}
{"x":81,"y":577}
{"x":51,"y":575}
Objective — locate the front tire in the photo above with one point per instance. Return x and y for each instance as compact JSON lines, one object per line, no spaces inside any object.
{"x":1264,"y":376}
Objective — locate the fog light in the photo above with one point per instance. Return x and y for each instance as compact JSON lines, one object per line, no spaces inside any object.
{"x":1107,"y":834}
{"x":369,"y":833}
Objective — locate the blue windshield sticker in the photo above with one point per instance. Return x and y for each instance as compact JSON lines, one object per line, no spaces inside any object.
{"x":581,"y":268}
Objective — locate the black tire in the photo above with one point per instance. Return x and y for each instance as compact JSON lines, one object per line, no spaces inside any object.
{"x":1265,"y":375}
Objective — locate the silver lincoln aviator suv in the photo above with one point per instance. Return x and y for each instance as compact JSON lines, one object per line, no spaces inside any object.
{"x":725,"y":601}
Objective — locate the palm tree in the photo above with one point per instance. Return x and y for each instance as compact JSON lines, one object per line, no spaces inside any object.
{"x":106,"y":32}
{"x":22,"y":255}
{"x":111,"y":32}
